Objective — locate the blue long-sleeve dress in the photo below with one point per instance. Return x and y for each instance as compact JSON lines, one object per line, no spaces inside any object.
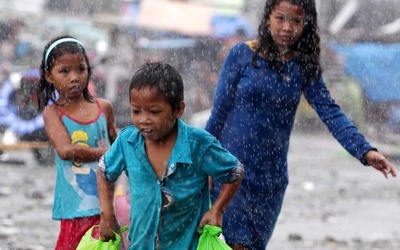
{"x":252,"y":116}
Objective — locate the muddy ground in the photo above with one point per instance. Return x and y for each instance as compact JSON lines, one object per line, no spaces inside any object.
{"x":332,"y":201}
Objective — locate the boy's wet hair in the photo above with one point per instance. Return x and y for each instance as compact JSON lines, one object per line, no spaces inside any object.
{"x":162,"y":77}
{"x":46,"y":90}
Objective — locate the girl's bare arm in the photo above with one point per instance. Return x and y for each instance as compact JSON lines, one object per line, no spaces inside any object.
{"x":109,"y":113}
{"x":61,"y":141}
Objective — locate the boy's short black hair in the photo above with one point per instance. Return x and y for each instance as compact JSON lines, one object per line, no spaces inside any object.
{"x":161,"y":76}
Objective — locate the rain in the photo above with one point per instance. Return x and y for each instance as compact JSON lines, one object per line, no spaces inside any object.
{"x":332,"y":201}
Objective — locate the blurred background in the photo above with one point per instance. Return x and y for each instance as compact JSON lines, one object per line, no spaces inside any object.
{"x":359,"y":50}
{"x":360,"y":55}
{"x":361,"y":59}
{"x":359,"y":47}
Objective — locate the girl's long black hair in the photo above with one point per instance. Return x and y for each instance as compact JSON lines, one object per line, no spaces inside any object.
{"x":308,"y":45}
{"x":46,"y":90}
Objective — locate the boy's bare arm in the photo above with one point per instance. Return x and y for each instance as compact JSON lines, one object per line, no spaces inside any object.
{"x":108,"y":221}
{"x":228,"y":191}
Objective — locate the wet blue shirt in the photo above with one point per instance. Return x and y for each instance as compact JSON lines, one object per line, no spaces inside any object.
{"x":195,"y":156}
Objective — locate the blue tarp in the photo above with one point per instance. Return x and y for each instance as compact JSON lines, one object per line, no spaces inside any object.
{"x":225,"y":26}
{"x":375,"y":66}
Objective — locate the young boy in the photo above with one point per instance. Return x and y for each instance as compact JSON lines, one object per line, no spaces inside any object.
{"x":168,"y":164}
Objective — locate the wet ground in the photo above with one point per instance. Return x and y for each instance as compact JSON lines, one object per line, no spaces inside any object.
{"x":332,"y":202}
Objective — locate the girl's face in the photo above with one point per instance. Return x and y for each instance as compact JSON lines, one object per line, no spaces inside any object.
{"x":152,"y":114}
{"x":286,"y":23}
{"x":69,"y":75}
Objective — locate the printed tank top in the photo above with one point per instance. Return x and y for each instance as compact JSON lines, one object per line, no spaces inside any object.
{"x":75,"y":193}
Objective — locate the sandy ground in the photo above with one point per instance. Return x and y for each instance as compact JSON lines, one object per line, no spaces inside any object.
{"x":332,"y":202}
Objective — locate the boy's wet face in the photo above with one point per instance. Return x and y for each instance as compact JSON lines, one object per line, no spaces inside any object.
{"x":152,"y":114}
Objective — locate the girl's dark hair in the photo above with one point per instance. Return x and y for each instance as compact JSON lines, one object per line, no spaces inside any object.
{"x":308,"y":45}
{"x":162,"y":77}
{"x":46,"y":90}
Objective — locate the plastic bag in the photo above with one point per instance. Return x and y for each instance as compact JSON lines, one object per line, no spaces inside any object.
{"x":122,"y":204}
{"x":209,"y":239}
{"x":89,"y":243}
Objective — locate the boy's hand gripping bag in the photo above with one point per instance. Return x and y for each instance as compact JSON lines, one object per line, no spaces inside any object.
{"x":89,"y":243}
{"x":209,"y":239}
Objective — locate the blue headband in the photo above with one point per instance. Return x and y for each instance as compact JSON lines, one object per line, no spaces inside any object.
{"x":53,"y":45}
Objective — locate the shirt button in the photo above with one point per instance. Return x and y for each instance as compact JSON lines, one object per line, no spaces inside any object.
{"x":172,"y":165}
{"x":158,"y":182}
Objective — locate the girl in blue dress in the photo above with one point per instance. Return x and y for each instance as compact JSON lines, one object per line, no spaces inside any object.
{"x":255,"y":103}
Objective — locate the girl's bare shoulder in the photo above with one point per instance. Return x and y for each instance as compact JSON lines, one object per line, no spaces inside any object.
{"x":104,"y":104}
{"x":50,"y":111}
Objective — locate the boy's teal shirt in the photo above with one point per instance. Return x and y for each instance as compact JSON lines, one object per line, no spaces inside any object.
{"x":195,"y":156}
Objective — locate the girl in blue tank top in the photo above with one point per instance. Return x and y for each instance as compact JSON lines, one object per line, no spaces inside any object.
{"x":80,"y":129}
